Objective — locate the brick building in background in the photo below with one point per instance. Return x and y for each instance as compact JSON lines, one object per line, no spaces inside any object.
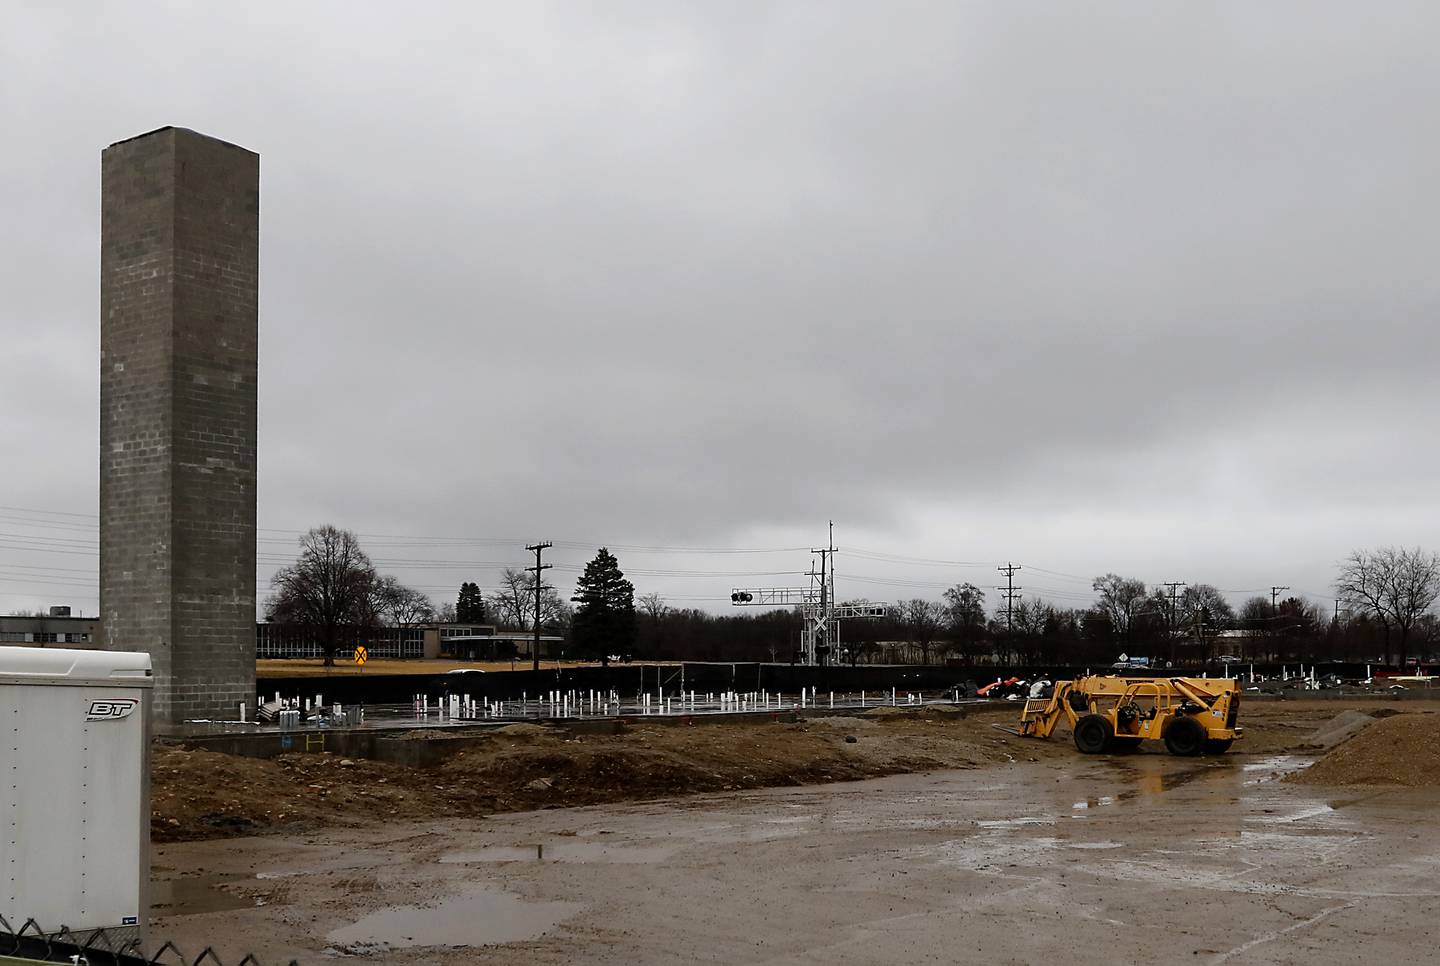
{"x":179,"y":265}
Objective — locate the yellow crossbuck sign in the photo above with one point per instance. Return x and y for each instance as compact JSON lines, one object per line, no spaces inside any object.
{"x":361,"y":655}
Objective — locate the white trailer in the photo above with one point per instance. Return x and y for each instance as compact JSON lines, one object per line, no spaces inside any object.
{"x":75,"y":789}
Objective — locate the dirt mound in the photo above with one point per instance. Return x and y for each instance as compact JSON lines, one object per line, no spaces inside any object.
{"x":205,"y":794}
{"x":842,"y":722}
{"x":524,"y":729}
{"x":915,"y":711}
{"x":199,"y":794}
{"x":1344,"y":725}
{"x":1401,"y":749}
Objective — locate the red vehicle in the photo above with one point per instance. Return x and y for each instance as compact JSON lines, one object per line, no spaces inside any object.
{"x":998,"y":689}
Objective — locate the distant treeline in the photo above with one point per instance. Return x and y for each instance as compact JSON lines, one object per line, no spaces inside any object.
{"x":1040,"y":634}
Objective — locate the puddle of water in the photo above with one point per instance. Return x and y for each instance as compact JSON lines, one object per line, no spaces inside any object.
{"x":1295,"y":815}
{"x":1094,"y":802}
{"x":193,"y":895}
{"x":741,"y":835}
{"x":1003,"y":823}
{"x":1158,"y":779}
{"x":616,"y":852}
{"x":1269,"y":769}
{"x":1308,"y":844}
{"x":991,"y":854}
{"x":480,"y":917}
{"x":1095,"y":845}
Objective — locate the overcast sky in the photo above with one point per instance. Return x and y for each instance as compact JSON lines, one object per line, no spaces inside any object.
{"x":1137,"y":287}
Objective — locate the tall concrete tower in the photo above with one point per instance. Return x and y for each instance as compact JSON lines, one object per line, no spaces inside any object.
{"x":179,"y":267}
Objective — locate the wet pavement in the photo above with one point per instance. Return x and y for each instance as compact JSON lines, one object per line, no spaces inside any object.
{"x":1136,"y":859}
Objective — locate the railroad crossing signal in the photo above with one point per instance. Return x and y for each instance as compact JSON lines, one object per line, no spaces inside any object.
{"x":361,"y":655}
{"x":818,"y":609}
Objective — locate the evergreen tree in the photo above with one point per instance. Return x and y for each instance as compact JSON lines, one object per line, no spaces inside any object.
{"x":470,"y":608}
{"x":604,"y":621}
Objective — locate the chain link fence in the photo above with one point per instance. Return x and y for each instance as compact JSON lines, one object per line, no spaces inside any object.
{"x":30,"y":943}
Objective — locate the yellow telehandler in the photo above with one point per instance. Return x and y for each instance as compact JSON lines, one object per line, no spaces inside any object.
{"x":1192,"y":716}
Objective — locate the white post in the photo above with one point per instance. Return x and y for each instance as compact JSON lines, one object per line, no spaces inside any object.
{"x":242,"y":712}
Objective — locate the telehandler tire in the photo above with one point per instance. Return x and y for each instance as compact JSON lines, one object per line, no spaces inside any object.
{"x":1093,"y":734}
{"x":1218,"y":746}
{"x":1185,"y":737}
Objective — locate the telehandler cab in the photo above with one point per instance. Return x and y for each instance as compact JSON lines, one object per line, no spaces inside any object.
{"x":1191,"y":715}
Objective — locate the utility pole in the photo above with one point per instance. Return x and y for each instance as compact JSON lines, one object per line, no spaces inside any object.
{"x":537,"y":549}
{"x":1009,"y":571}
{"x":1274,"y":595}
{"x":1275,"y":617}
{"x":1170,"y":621}
{"x":1174,"y":596}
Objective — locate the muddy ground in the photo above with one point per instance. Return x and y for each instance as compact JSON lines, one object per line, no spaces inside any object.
{"x":1002,"y":850}
{"x":198,"y":794}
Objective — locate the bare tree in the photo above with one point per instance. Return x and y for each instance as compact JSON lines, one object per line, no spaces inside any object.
{"x":921,"y":621}
{"x":513,"y":605}
{"x":652,"y":605}
{"x":1204,"y":611}
{"x":1122,"y":600}
{"x":965,"y":606}
{"x":331,"y":587}
{"x":1026,"y":632}
{"x":1394,"y":585}
{"x":1030,"y":616}
{"x":509,"y":604}
{"x":560,"y":616}
{"x":404,"y":606}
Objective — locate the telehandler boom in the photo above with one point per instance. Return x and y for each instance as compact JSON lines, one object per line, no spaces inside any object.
{"x":1192,"y":716}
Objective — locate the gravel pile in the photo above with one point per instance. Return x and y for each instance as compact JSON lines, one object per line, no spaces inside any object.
{"x":1344,"y":725}
{"x":1403,"y":749}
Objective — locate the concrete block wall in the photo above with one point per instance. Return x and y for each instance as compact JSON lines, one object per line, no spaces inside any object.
{"x":179,"y":269}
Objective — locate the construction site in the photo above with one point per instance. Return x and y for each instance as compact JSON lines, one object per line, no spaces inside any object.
{"x":929,"y":832}
{"x":486,"y":325}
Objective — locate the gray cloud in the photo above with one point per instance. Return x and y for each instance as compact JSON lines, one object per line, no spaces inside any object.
{"x":1137,"y":287}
